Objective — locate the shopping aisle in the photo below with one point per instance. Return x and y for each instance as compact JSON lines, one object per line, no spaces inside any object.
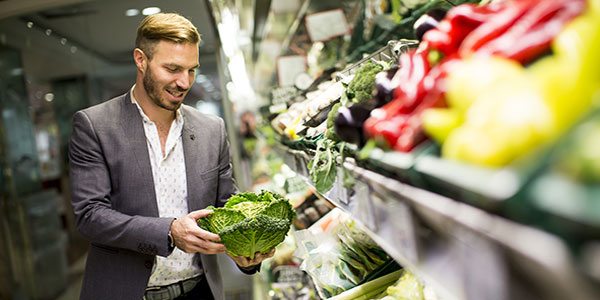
{"x":470,"y":159}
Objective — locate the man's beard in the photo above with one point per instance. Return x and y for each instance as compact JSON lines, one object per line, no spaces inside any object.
{"x":152,"y":90}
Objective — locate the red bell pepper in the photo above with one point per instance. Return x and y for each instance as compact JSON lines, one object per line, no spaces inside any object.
{"x":458,"y":23}
{"x":493,"y":27}
{"x":412,"y":134}
{"x":524,"y":31}
{"x":398,"y":123}
{"x":414,"y":66}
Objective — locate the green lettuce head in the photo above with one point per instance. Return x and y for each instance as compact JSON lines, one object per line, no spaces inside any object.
{"x":250,"y":223}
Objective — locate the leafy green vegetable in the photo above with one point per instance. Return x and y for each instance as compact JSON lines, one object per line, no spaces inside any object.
{"x":250,"y":223}
{"x":330,"y":134}
{"x":322,"y":168}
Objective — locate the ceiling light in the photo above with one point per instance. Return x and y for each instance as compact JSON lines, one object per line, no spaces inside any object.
{"x":48,"y":32}
{"x":29,"y":24}
{"x":63,"y":41}
{"x":49,"y":97}
{"x":73,"y":49}
{"x":150,"y":10}
{"x":132,"y":12}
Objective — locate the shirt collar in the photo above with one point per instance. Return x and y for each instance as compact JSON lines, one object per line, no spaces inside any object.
{"x":178,"y":112}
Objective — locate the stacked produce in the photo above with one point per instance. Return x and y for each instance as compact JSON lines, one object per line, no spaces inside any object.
{"x":507,"y":108}
{"x":472,"y":63}
{"x":340,"y":259}
{"x":250,"y":223}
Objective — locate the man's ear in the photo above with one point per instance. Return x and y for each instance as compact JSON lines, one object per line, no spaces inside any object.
{"x":140,"y":59}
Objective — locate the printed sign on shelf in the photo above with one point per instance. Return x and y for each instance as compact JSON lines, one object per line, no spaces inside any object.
{"x":325,"y":25}
{"x":288,"y":68}
{"x":283,"y":94}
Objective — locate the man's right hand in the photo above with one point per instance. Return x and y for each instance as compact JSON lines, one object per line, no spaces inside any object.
{"x":190,"y":238}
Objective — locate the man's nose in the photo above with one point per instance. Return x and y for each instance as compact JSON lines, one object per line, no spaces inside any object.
{"x":184,"y":80}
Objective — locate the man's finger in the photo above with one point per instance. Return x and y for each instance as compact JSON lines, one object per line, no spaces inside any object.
{"x":211,"y":248}
{"x":209,"y":236}
{"x":194,"y":245}
{"x":199,"y":214}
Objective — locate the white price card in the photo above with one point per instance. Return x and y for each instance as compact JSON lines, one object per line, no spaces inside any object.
{"x":283,"y":94}
{"x":342,"y":195}
{"x":289,"y":160}
{"x":288,"y":68}
{"x":398,"y":227}
{"x":326,"y":25}
{"x":483,"y":266}
{"x":364,"y":206}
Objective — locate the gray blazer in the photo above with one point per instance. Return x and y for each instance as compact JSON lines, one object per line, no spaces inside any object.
{"x":114,"y":200}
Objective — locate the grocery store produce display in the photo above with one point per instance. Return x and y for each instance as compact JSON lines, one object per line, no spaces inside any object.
{"x":481,"y":139}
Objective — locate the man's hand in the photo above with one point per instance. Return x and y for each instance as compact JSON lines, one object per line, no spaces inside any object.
{"x":246,"y":262}
{"x":190,"y":238}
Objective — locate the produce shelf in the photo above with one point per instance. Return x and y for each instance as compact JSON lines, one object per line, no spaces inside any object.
{"x":461,"y":251}
{"x":390,"y":53}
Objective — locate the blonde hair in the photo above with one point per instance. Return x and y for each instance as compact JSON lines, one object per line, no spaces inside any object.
{"x":165,"y":26}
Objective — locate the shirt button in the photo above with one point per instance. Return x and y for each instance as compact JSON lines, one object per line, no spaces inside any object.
{"x":148,"y":264}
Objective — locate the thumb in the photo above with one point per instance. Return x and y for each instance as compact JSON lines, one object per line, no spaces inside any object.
{"x":199,"y":214}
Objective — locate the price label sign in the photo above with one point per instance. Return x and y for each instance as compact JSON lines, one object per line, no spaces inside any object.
{"x":364,"y":208}
{"x":288,"y":68}
{"x":283,"y":94}
{"x":325,"y":25}
{"x":400,"y":228}
{"x":482,"y":265}
{"x":342,"y":195}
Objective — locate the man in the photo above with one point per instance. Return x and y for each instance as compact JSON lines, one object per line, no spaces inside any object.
{"x":143,"y":166}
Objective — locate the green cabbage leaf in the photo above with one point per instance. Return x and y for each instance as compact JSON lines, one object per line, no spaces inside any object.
{"x":250,"y":223}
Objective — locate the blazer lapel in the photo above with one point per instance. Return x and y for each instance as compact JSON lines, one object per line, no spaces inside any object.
{"x":135,"y":137}
{"x":195,"y":149}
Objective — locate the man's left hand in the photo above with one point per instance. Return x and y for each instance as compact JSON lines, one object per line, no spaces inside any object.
{"x":246,"y":262}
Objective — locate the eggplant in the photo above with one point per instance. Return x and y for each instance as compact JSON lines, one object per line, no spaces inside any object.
{"x":349,"y":122}
{"x":428,"y":21}
{"x":384,"y":87}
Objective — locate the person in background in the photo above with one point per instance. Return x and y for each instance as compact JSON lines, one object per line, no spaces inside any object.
{"x":143,"y":168}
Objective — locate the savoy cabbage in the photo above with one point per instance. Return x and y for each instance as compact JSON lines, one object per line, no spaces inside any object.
{"x":250,"y":223}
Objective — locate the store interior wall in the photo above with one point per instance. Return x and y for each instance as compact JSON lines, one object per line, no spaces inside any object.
{"x":57,"y":57}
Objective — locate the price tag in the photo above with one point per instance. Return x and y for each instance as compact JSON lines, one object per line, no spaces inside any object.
{"x":397,"y":226}
{"x":482,"y":265}
{"x":326,"y":25}
{"x":283,"y":95}
{"x":288,"y":68}
{"x":364,"y":206}
{"x":289,"y":160}
{"x":342,"y":195}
